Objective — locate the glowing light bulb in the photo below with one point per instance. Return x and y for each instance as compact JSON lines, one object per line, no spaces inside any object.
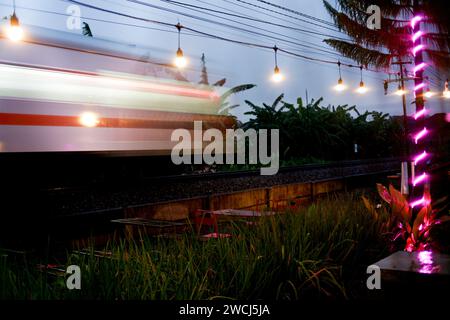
{"x":277,"y":75}
{"x":429,"y":94}
{"x":340,"y":85}
{"x":180,"y":60}
{"x":400,"y":91}
{"x":14,"y":31}
{"x":362,"y":88}
{"x":447,"y":94}
{"x":89,"y":119}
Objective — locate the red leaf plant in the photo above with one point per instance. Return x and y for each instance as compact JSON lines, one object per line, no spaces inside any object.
{"x":412,"y":228}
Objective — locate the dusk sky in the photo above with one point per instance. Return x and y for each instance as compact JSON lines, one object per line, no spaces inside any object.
{"x":239,"y":64}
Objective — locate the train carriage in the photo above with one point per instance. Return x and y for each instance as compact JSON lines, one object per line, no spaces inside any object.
{"x":63,"y":92}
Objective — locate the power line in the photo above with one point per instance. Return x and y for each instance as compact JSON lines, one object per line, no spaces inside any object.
{"x":326,"y":52}
{"x":187,"y":5}
{"x":274,"y":17}
{"x":234,"y":27}
{"x":121,"y":14}
{"x":193,"y":23}
{"x":264,"y":12}
{"x":90,"y":18}
{"x":329,"y":26}
{"x":122,"y":23}
{"x":250,"y":44}
{"x":316,"y":46}
{"x":295,"y":12}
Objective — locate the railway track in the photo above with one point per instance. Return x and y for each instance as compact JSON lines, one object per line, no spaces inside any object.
{"x":95,"y":199}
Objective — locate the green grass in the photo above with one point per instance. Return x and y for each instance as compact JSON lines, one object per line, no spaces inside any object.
{"x":318,"y":252}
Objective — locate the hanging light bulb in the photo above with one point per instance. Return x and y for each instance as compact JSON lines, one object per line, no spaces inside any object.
{"x":362,"y":87}
{"x":277,"y":75}
{"x":180,"y":60}
{"x":340,"y":85}
{"x":446,"y":92}
{"x":400,"y":91}
{"x":428,"y":93}
{"x":14,"y":31}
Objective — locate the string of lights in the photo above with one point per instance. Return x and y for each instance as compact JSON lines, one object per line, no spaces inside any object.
{"x":288,"y":40}
{"x":125,"y":24}
{"x":304,"y":43}
{"x":15,"y":33}
{"x":191,"y":6}
{"x":284,"y":21}
{"x":303,"y":47}
{"x":95,"y":19}
{"x":251,"y":44}
{"x":254,"y":11}
{"x":328,"y":53}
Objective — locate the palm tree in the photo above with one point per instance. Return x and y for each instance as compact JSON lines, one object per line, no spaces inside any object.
{"x":379,"y":48}
{"x":391,"y":44}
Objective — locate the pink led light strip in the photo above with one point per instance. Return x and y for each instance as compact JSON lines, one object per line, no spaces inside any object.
{"x":421,"y":178}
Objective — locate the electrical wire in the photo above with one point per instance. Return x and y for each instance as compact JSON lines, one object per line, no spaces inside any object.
{"x":250,"y":44}
{"x":314,"y":46}
{"x":234,"y":27}
{"x":187,"y":5}
{"x":132,"y":25}
{"x":329,"y":26}
{"x":295,"y":12}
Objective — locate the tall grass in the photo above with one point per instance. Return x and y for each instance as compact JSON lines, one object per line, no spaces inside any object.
{"x":319,"y":251}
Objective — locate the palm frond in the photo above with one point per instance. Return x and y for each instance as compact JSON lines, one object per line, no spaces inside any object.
{"x":236,"y":89}
{"x":220,"y":83}
{"x":86,"y":30}
{"x":360,"y":54}
{"x":277,"y":101}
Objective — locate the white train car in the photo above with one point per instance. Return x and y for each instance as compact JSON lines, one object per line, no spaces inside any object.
{"x":62,"y":92}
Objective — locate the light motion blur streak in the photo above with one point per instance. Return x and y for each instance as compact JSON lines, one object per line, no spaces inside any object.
{"x":91,"y":88}
{"x":51,"y":109}
{"x":61,"y":92}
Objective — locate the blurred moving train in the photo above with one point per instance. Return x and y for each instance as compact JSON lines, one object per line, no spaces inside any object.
{"x":63,"y":92}
{"x":80,"y":114}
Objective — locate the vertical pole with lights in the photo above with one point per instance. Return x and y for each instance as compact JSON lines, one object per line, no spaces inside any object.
{"x":420,"y":178}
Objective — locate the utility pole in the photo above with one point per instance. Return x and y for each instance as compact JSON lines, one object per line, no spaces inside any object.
{"x":402,"y":79}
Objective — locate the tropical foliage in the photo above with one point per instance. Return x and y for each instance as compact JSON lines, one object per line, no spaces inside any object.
{"x":380,"y":47}
{"x":225,"y":105}
{"x":327,"y":133}
{"x":413,"y":230}
{"x":86,"y":30}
